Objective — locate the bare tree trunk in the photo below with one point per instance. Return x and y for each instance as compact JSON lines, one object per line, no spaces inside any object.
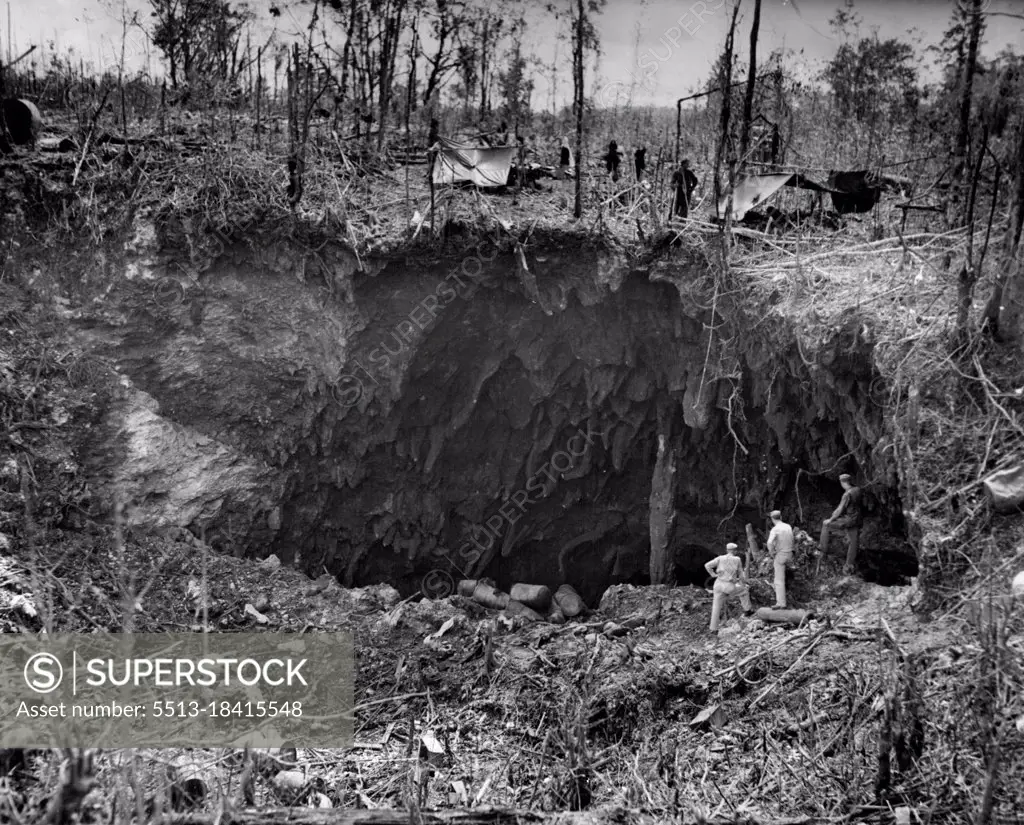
{"x":346,"y":50}
{"x":1011,"y":302}
{"x":748,"y":99}
{"x":1013,"y":233}
{"x":969,"y":273}
{"x":487,"y":42}
{"x":434,"y":78}
{"x":968,"y":277}
{"x":259,"y":91}
{"x":390,"y":34}
{"x":295,"y":153}
{"x":726,"y":112}
{"x":410,"y":91}
{"x":994,"y":309}
{"x":973,"y":33}
{"x":578,"y":98}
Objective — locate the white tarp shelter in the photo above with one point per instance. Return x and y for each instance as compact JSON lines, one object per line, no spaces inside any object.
{"x":484,"y":166}
{"x":756,"y":189}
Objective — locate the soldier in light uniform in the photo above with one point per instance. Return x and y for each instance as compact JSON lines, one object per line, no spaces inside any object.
{"x":782,"y":543}
{"x":730,"y":580}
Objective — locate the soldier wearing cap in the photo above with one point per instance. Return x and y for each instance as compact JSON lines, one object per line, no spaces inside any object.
{"x":849,"y":517}
{"x":730,"y":580}
{"x":782,"y":543}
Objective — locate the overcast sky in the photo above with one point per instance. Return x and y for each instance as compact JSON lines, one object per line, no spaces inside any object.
{"x":661,"y":48}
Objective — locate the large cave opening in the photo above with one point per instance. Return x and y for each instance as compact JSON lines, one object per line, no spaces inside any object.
{"x":502,"y":419}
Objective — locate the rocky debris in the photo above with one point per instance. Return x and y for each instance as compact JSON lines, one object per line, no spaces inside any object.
{"x":17,"y":602}
{"x":290,"y":786}
{"x":323,"y":584}
{"x":651,"y":601}
{"x":371,"y":598}
{"x":258,"y":617}
{"x":710,"y":717}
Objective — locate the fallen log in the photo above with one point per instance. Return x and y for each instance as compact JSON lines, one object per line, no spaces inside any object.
{"x":516,"y":609}
{"x":190,"y":781}
{"x":569,"y":601}
{"x":536,"y":596}
{"x":797,"y":617}
{"x":490,"y":596}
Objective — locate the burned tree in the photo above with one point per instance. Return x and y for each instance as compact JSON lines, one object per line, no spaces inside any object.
{"x":584,"y":39}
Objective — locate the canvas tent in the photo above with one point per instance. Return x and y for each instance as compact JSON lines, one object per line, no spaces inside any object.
{"x":463,"y":163}
{"x":757,"y":189}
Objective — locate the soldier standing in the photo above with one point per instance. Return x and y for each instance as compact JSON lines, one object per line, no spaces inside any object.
{"x":730,"y":580}
{"x":782,"y":543}
{"x":640,"y":163}
{"x":685,"y":182}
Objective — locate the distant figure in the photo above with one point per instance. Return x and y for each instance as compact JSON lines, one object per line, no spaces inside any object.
{"x":613,"y":159}
{"x":503,"y":134}
{"x":730,"y":580}
{"x":564,"y":160}
{"x":685,"y":182}
{"x":783,"y":545}
{"x":848,"y":516}
{"x":640,"y":163}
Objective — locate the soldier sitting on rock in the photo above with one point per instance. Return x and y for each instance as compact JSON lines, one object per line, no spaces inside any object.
{"x":848,"y":517}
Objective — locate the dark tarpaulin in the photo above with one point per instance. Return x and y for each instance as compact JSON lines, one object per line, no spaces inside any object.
{"x":859,"y":191}
{"x":853,"y":192}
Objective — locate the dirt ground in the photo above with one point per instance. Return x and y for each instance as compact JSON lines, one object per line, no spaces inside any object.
{"x":655,"y":713}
